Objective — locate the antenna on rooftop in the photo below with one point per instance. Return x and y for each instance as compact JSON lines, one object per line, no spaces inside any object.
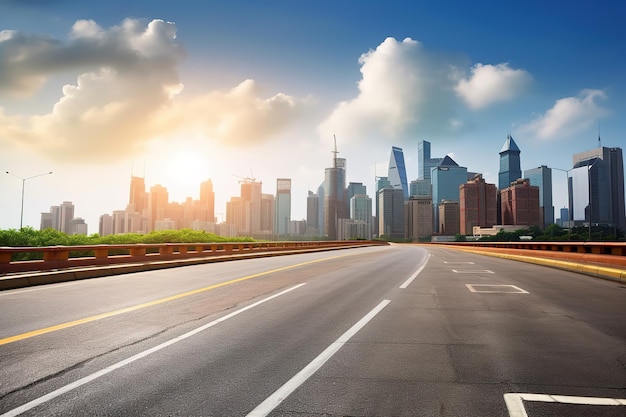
{"x":599,"y":140}
{"x":335,"y":152}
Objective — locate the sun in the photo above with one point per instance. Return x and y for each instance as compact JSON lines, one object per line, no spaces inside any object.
{"x":185,"y":170}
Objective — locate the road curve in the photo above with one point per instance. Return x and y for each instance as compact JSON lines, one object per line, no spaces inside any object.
{"x":401,"y":330}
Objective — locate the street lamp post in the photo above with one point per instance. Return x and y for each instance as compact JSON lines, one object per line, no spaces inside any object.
{"x":23,"y":184}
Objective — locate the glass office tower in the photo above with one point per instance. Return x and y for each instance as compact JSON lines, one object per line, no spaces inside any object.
{"x":542,"y":178}
{"x":596,"y":188}
{"x":446,"y":180}
{"x":397,"y":171}
{"x":510,"y":169}
{"x":282,"y":211}
{"x":424,"y":162}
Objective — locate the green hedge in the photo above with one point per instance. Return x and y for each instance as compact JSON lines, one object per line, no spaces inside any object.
{"x":29,"y":237}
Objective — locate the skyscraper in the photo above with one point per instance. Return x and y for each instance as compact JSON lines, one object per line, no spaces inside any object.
{"x":157,"y":204}
{"x":478,"y":205}
{"x":283,"y":206}
{"x":542,"y":178}
{"x":207,"y":201}
{"x":520,"y":204}
{"x":381,"y":183}
{"x":361,"y":211}
{"x":335,"y":203}
{"x":449,"y":216}
{"x":510,"y":169}
{"x":138,"y":199}
{"x":268,"y":215}
{"x":446,"y":179}
{"x":424,"y":162}
{"x":312,"y":214}
{"x":251,"y":196}
{"x":66,"y":215}
{"x":419,"y":217}
{"x":397,"y":171}
{"x":596,"y":188}
{"x":391,"y":221}
{"x":420,"y":188}
{"x":355,"y":188}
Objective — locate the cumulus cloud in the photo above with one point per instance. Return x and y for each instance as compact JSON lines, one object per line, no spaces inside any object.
{"x":234,"y":117}
{"x":490,"y":84}
{"x":402,"y":86}
{"x":126,"y":93}
{"x":568,"y":116}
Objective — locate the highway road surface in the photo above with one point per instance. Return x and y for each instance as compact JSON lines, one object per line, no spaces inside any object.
{"x":401,"y":330}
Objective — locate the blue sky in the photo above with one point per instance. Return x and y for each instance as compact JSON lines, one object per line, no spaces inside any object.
{"x":184,"y":91}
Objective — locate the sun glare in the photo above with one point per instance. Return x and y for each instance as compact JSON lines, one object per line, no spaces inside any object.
{"x":185,"y":170}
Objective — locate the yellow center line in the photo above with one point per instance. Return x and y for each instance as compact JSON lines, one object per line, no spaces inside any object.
{"x":69,"y":324}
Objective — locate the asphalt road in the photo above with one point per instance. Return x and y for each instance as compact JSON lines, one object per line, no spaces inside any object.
{"x":382,"y":331}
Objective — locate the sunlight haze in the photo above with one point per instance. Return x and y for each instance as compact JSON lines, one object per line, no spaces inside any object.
{"x":181,"y":92}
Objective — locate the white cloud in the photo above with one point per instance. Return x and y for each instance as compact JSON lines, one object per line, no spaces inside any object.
{"x":490,"y":84}
{"x":235,"y":117}
{"x":402,"y":87}
{"x":126,"y":94}
{"x":568,"y":116}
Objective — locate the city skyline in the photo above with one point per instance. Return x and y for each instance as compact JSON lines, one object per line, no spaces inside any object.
{"x":220,"y":90}
{"x":255,"y":213}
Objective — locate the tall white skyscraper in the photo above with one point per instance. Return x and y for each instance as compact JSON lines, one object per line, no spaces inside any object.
{"x":283,"y":206}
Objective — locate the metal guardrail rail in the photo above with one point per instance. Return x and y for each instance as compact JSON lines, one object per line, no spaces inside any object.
{"x":61,"y":257}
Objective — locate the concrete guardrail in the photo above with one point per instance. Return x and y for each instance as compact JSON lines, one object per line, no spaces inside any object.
{"x":63,"y":257}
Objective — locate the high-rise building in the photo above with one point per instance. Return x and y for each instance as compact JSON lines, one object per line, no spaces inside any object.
{"x":268,"y":215}
{"x":520,"y":204}
{"x":138,"y":199}
{"x":391,"y":220}
{"x":283,"y":206}
{"x":542,"y":178}
{"x":251,"y":205}
{"x":424,"y":161}
{"x":381,"y":182}
{"x":119,"y":222}
{"x":46,"y":221}
{"x":355,"y":188}
{"x":157,"y":205}
{"x":105,"y":225}
{"x":478,"y":205}
{"x":56,"y":217}
{"x":312,"y":214}
{"x":446,"y":179}
{"x":449,"y":217}
{"x":420,"y":188}
{"x":234,"y":215}
{"x":321,"y":221}
{"x":419,"y":218}
{"x":596,"y":188}
{"x":66,"y":214}
{"x":564,"y":220}
{"x":397,"y":171}
{"x":78,"y":226}
{"x":335,"y":203}
{"x":207,"y":202}
{"x":510,"y":168}
{"x":361,"y":211}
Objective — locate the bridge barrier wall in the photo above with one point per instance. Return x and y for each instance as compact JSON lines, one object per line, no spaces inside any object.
{"x":64,"y":257}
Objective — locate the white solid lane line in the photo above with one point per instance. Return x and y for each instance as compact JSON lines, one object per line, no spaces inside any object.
{"x":290,"y":386}
{"x":121,"y":364}
{"x":412,"y":277}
